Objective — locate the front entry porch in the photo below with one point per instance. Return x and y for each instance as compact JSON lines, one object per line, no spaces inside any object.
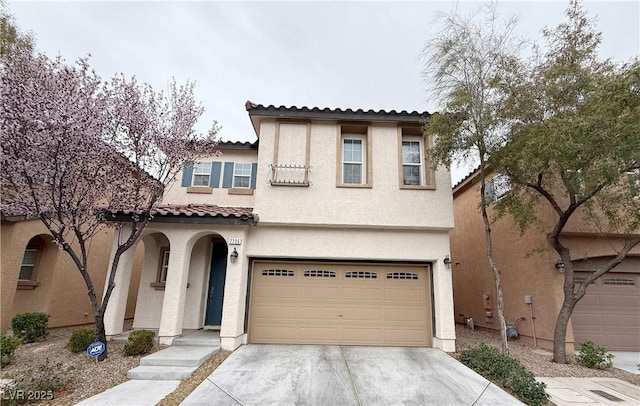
{"x":187,"y":280}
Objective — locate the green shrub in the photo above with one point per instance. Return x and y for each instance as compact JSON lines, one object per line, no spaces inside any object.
{"x":30,"y":326}
{"x":8,"y":344}
{"x":506,"y":371}
{"x":43,"y":383}
{"x":594,"y":356}
{"x":140,"y":342}
{"x":80,"y":339}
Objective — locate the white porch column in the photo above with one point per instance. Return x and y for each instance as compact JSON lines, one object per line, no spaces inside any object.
{"x":114,"y":314}
{"x":232,"y":333}
{"x":444,"y":330}
{"x":176,"y":287}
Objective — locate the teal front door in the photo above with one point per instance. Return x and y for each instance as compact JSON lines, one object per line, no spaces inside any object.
{"x":217,"y":274}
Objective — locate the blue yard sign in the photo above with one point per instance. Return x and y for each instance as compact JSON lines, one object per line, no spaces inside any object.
{"x":95,"y":349}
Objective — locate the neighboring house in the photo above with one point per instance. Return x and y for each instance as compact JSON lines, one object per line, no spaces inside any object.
{"x":39,"y":277}
{"x":332,"y":228}
{"x":608,"y":315}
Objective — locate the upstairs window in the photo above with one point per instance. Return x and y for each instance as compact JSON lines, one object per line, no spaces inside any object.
{"x":354,"y":156}
{"x":352,"y":161}
{"x":241,"y":175}
{"x":497,"y":188}
{"x":411,"y":163}
{"x":413,"y":159}
{"x":201,"y":174}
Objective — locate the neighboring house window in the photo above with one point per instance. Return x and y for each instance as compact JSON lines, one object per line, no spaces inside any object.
{"x":411,"y":163}
{"x":352,"y":161}
{"x":575,"y":182}
{"x":242,"y":175}
{"x":634,"y":183}
{"x":29,"y":265}
{"x":201,"y":174}
{"x":354,"y":156}
{"x":497,"y":188}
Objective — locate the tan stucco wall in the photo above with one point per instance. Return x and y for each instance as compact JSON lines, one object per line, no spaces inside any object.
{"x":176,"y":194}
{"x":526,"y":269}
{"x":62,"y":291}
{"x":322,"y":203}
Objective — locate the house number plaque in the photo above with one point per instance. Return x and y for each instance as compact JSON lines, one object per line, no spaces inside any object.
{"x":235,"y":241}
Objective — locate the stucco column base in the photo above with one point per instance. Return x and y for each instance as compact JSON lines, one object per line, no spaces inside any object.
{"x":231,"y":343}
{"x":167,"y":340}
{"x":445,"y":344}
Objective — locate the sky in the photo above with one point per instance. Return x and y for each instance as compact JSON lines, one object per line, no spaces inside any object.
{"x":296,"y":53}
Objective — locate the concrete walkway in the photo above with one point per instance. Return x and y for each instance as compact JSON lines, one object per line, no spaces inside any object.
{"x":628,"y":361}
{"x":591,"y":391}
{"x":331,"y":375}
{"x":160,"y":373}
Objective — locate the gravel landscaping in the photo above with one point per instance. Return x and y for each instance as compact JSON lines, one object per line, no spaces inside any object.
{"x":537,"y":360}
{"x":88,"y":378}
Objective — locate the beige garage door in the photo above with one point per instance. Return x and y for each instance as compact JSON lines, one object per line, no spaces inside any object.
{"x":609,"y":313}
{"x":320,"y":303}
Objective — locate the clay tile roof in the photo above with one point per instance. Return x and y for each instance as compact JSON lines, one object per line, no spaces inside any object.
{"x":204,"y":210}
{"x":237,"y":145}
{"x":337,"y":113}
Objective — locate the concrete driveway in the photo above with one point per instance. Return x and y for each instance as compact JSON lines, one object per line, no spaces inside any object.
{"x":332,"y":375}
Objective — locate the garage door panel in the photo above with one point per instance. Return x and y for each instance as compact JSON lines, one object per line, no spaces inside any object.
{"x":277,"y":292}
{"x":404,"y":295}
{"x":405,"y":315}
{"x":318,"y":313}
{"x":362,"y":335}
{"x":404,"y":336}
{"x":340,"y":304}
{"x":622,"y":321}
{"x":280,"y":333}
{"x":315,"y":334}
{"x":318,"y":292}
{"x":609,"y":313}
{"x":622,"y":299}
{"x":361,"y":314}
{"x":270,"y":313}
{"x":349,"y":293}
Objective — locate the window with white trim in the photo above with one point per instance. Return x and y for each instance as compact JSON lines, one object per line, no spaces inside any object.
{"x":164,"y":265}
{"x":496,"y":188}
{"x":30,"y":263}
{"x":412,"y":172}
{"x":242,"y":175}
{"x":353,"y":160}
{"x":634,"y":182}
{"x":201,"y":174}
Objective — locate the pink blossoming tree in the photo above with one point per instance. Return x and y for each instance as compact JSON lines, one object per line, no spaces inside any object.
{"x":76,"y":148}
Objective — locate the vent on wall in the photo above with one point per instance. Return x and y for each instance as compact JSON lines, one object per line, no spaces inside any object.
{"x":319,"y":273}
{"x":277,"y":272}
{"x":619,"y":282}
{"x":402,"y":275}
{"x":361,"y":275}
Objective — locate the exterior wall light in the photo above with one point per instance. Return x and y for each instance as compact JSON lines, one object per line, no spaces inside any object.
{"x":234,"y":256}
{"x":447,"y":261}
{"x":560,"y":266}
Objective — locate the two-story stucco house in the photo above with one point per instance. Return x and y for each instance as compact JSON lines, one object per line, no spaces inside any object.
{"x":331,"y":228}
